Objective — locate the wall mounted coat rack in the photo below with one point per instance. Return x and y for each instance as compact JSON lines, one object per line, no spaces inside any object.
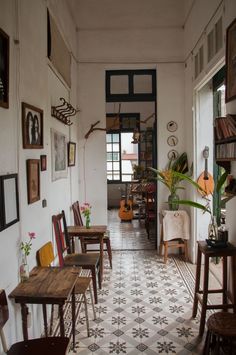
{"x":63,"y":112}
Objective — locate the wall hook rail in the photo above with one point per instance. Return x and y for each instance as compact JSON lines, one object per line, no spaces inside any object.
{"x":63,"y":112}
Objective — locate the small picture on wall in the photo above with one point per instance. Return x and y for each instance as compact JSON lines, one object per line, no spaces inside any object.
{"x":4,"y":69}
{"x":71,"y":153}
{"x":59,"y":155}
{"x":32,"y":126}
{"x":33,"y":180}
{"x":43,"y":162}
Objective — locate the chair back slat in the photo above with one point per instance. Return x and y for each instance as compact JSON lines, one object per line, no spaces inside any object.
{"x":4,"y":313}
{"x":46,"y":254}
{"x":78,"y":221}
{"x":66,"y":236}
{"x":61,"y":248}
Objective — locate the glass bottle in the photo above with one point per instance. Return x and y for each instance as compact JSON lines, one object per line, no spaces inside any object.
{"x":213,"y":229}
{"x":24,"y":269}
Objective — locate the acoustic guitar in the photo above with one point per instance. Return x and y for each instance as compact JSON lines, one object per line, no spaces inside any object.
{"x":206,"y":180}
{"x":125,"y":211}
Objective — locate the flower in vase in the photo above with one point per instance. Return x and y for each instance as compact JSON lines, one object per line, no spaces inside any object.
{"x":26,"y":246}
{"x":86,"y":211}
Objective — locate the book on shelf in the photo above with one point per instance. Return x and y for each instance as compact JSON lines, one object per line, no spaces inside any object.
{"x":225,"y":127}
{"x":226,"y":151}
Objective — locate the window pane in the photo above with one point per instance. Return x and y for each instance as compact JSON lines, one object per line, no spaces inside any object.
{"x":116,"y":166}
{"x":109,"y":176}
{"x":116,"y":156}
{"x":116,"y":138}
{"x":109,"y":166}
{"x":109,"y":147}
{"x":116,"y":177}
{"x":108,"y":138}
{"x":116,"y":147}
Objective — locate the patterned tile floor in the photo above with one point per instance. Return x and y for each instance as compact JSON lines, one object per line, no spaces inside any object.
{"x":144,"y":306}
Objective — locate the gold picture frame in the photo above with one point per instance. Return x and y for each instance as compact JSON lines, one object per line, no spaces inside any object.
{"x":33,"y":180}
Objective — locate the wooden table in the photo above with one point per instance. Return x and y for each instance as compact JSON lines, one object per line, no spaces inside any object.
{"x":93,"y":231}
{"x":47,"y":285}
{"x":202,"y":295}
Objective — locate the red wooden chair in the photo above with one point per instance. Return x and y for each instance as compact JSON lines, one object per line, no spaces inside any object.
{"x":39,"y":346}
{"x":89,"y":261}
{"x":85,"y":241}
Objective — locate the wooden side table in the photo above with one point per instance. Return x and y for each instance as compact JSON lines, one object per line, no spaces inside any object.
{"x":175,"y":231}
{"x":202,"y":295}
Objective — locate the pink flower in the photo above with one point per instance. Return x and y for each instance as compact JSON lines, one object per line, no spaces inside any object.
{"x":31,"y":235}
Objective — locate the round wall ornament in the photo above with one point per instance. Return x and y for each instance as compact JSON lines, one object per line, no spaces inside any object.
{"x":172,"y":154}
{"x":172,"y":126}
{"x":172,"y":141}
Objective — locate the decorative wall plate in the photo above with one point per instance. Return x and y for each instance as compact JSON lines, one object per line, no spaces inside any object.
{"x":172,"y":141}
{"x":172,"y":154}
{"x":172,"y":126}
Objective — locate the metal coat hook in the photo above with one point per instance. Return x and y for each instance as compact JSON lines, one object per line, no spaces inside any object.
{"x":63,"y":112}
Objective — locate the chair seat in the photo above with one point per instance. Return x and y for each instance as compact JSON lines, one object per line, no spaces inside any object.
{"x":42,"y":346}
{"x":82,"y":285}
{"x":82,"y":260}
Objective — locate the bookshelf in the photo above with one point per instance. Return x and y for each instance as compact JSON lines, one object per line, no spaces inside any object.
{"x":225,"y":138}
{"x":146,"y":149}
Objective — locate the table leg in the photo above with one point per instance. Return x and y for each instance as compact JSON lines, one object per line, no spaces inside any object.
{"x":225,"y":281}
{"x":73,"y":316}
{"x":197,"y":282}
{"x":24,"y":314}
{"x":234,"y":282}
{"x":45,"y":319}
{"x":62,"y":328}
{"x":204,"y":296}
{"x":101,"y":256}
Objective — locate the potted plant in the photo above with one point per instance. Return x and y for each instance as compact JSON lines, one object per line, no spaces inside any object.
{"x":171,"y":180}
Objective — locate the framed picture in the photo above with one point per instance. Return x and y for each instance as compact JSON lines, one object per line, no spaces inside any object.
{"x":4,"y":69}
{"x":231,"y":62}
{"x":33,"y":180}
{"x":43,"y":162}
{"x":59,"y":155}
{"x":9,"y":200}
{"x":32,"y":126}
{"x":71,"y":153}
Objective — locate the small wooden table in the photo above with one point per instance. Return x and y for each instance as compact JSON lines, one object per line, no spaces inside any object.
{"x":47,"y":285}
{"x":202,"y":295}
{"x":93,"y":231}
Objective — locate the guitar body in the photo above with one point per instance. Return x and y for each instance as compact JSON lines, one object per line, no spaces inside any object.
{"x":125,"y":211}
{"x":206,"y":181}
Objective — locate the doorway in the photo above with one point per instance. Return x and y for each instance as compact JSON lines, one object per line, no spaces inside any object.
{"x":131,"y":150}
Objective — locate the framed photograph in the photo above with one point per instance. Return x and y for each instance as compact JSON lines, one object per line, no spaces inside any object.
{"x":4,"y":69}
{"x":231,"y":62}
{"x":59,"y":155}
{"x":9,"y":200}
{"x":71,"y":153}
{"x":43,"y":162}
{"x":33,"y":180}
{"x":32,"y":127}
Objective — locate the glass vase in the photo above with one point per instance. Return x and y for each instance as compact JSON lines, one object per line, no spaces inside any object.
{"x":24,"y":269}
{"x":87,"y":222}
{"x":213,"y":229}
{"x":173,"y":202}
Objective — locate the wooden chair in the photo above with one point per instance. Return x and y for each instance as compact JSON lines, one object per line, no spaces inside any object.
{"x":90,"y":240}
{"x":39,"y":346}
{"x":150,"y":206}
{"x":89,"y":261}
{"x":45,"y":258}
{"x":221,"y":334}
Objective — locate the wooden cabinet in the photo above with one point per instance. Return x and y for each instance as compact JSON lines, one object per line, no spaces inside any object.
{"x":225,"y":138}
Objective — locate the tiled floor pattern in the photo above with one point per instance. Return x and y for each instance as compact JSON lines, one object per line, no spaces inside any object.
{"x":144,"y":308}
{"x":129,"y":235}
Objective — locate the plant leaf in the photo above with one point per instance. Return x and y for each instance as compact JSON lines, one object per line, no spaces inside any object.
{"x":192,"y":204}
{"x":221,"y":181}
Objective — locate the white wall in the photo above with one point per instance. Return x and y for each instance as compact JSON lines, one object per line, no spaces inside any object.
{"x":32,"y":81}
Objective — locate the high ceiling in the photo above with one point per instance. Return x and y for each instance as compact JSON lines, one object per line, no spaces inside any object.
{"x":126,"y":14}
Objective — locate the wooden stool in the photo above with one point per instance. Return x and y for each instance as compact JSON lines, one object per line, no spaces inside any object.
{"x":221,"y":333}
{"x":174,"y":242}
{"x":202,"y":295}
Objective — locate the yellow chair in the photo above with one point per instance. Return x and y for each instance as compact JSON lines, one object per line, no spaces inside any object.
{"x":45,"y":258}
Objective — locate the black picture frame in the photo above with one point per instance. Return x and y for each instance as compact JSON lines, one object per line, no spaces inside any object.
{"x":231,"y":62}
{"x":32,"y":126}
{"x":4,"y":69}
{"x":71,"y":153}
{"x":9,"y":200}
